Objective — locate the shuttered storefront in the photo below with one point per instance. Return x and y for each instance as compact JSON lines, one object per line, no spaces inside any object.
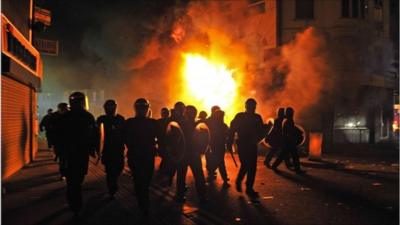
{"x":18,"y":108}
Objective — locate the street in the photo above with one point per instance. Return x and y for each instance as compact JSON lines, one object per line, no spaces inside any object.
{"x":350,"y":194}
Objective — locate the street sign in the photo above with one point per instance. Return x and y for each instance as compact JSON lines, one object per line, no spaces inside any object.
{"x":42,"y":15}
{"x":47,"y":47}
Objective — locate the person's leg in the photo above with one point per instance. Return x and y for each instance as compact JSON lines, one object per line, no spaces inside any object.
{"x":283,"y":154}
{"x":112,"y":173}
{"x":74,"y":192}
{"x":296,"y":161}
{"x":198,"y":175}
{"x":221,"y":165}
{"x":210,"y":165}
{"x":147,"y":177}
{"x":252,"y":168}
{"x":242,"y":171}
{"x":289,"y":162}
{"x":181,"y":180}
{"x":269,"y":155}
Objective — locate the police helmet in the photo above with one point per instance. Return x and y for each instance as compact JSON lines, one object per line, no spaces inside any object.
{"x":142,"y":103}
{"x":77,"y":99}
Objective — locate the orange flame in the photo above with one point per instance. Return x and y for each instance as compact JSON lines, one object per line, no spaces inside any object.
{"x":209,"y":83}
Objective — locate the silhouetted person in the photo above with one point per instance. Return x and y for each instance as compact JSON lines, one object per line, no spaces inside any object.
{"x":162,"y":151}
{"x":250,"y":130}
{"x":113,"y":147}
{"x":177,"y":115}
{"x":46,"y":125}
{"x":202,"y":117}
{"x":210,"y":161}
{"x":80,"y":138}
{"x":59,"y":147}
{"x":218,"y":141}
{"x":141,"y":133}
{"x":292,"y":137}
{"x":275,"y":139}
{"x":192,"y":159}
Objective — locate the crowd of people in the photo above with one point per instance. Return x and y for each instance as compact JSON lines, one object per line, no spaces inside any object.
{"x":180,"y":137}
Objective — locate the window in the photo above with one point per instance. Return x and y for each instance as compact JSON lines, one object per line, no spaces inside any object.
{"x":345,"y":8}
{"x":304,"y":9}
{"x":355,"y":8}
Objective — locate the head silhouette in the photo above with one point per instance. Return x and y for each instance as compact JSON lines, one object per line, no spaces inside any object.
{"x":219,"y":115}
{"x":164,"y":112}
{"x":179,"y":108}
{"x":203,"y":115}
{"x":251,"y":105}
{"x":77,"y":101}
{"x":141,"y":107}
{"x":190,"y":112}
{"x":110,"y":107}
{"x":49,"y":111}
{"x":281,"y":113}
{"x":289,"y":113}
{"x":62,"y":107}
{"x":215,"y":108}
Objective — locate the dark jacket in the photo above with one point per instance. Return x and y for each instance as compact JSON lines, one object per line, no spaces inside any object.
{"x":79,"y":135}
{"x":113,"y":136}
{"x":218,"y":135}
{"x":275,"y":136}
{"x":140,"y":134}
{"x":249,"y":127}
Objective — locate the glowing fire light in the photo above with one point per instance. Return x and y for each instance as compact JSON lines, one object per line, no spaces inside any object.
{"x":208,"y":83}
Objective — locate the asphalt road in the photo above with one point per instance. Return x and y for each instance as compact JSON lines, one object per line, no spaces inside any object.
{"x":325,"y":195}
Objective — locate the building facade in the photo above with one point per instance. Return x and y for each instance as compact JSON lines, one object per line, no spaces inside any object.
{"x":362,"y":40}
{"x":361,"y":35}
{"x":21,"y":73}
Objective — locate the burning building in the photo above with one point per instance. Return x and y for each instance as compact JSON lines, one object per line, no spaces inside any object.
{"x":21,"y":72}
{"x":338,"y":68}
{"x":327,"y":65}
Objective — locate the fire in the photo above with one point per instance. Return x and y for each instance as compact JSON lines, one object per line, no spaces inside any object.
{"x":208,"y":83}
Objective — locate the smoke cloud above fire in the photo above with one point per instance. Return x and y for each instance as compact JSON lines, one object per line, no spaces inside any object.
{"x":131,"y":54}
{"x":293,"y":75}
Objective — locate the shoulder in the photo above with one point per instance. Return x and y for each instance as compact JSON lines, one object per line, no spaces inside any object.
{"x":239,"y":115}
{"x":153,"y":121}
{"x":258,"y":116}
{"x":120,"y":117}
{"x":130,"y":120}
{"x":89,"y":115}
{"x":101,"y":118}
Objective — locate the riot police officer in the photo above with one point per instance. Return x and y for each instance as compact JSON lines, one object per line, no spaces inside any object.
{"x":292,"y":136}
{"x":141,"y":133}
{"x":275,"y":139}
{"x":80,"y":139}
{"x":191,"y":158}
{"x":163,"y":123}
{"x":46,"y":125}
{"x":210,"y":159}
{"x":218,"y":141}
{"x":202,"y":117}
{"x":250,"y":129}
{"x":59,"y":148}
{"x":112,"y":155}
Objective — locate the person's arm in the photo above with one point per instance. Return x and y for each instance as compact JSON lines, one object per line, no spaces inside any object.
{"x":42,"y":124}
{"x":231,"y":133}
{"x":261,"y":129}
{"x":95,"y":136}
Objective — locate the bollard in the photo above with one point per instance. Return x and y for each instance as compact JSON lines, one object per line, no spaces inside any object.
{"x":315,"y":146}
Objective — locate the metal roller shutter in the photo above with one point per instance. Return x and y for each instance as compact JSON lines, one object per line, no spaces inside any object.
{"x":17,"y":114}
